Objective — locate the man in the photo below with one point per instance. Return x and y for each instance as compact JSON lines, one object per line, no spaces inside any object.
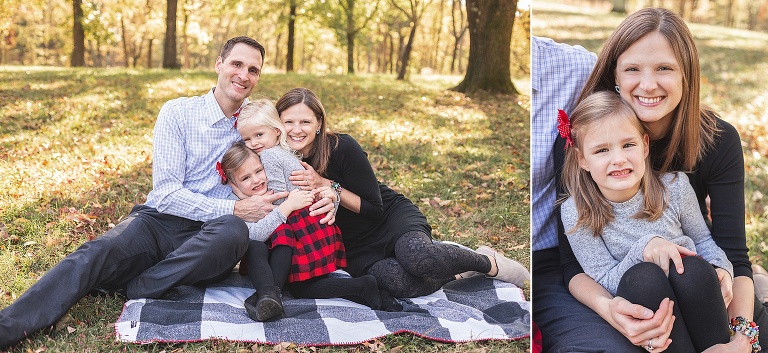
{"x":186,"y":232}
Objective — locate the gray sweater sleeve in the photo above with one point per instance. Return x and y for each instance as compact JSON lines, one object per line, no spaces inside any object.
{"x":278,"y":164}
{"x":684,"y":199}
{"x":263,"y":228}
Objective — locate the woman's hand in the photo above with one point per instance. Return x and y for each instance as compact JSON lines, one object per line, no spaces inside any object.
{"x":325,"y":192}
{"x":726,"y":285}
{"x":660,"y":251}
{"x":739,"y":343}
{"x":308,"y":178}
{"x":642,"y":326}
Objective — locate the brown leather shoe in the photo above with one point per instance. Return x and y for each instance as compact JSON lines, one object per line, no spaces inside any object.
{"x":760,"y":276}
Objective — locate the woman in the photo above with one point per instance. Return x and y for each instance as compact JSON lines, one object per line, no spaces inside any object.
{"x":384,"y":233}
{"x":652,"y":62}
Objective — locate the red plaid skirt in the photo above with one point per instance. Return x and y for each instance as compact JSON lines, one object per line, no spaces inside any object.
{"x":318,"y":248}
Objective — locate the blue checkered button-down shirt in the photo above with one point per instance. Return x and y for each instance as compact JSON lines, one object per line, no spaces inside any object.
{"x":558,"y":72}
{"x":191,"y":135}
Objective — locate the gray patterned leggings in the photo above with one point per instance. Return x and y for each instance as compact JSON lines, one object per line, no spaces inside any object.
{"x":421,"y":267}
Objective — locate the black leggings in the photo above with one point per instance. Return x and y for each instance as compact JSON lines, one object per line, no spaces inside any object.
{"x":267,"y":268}
{"x":701,"y":319}
{"x":421,"y":267}
{"x":271,"y":268}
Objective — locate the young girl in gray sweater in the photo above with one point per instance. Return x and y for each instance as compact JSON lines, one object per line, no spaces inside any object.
{"x":288,"y":245}
{"x":620,"y":213}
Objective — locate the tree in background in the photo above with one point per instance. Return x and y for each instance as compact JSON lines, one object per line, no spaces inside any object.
{"x":619,"y":6}
{"x":413,"y":12}
{"x":170,"y":61}
{"x":346,"y":18}
{"x":490,"y":35}
{"x":78,"y":35}
{"x":291,"y":35}
{"x":131,"y":33}
{"x":459,"y":28}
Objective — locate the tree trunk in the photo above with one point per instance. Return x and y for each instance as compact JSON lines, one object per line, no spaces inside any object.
{"x":729,"y":14}
{"x":490,"y":36}
{"x":439,"y":25}
{"x":390,"y":62}
{"x":169,"y":46}
{"x":619,"y":6}
{"x":291,"y":37}
{"x":124,"y":35}
{"x":185,"y":39}
{"x":278,"y":53}
{"x":407,"y":52}
{"x":78,"y":35}
{"x":149,"y":52}
{"x":350,"y":53}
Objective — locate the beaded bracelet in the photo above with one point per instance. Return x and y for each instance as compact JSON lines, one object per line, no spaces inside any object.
{"x":336,"y":187}
{"x":748,"y":328}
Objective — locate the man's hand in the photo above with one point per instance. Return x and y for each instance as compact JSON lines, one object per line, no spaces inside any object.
{"x":641,"y":325}
{"x":254,"y":208}
{"x":726,"y":285}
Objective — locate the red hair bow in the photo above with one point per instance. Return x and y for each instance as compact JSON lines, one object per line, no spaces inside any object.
{"x":220,"y":170}
{"x":564,"y":127}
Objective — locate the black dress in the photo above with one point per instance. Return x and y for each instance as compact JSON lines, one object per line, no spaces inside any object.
{"x":384,"y":216}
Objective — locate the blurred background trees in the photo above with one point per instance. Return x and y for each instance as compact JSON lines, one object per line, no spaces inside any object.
{"x":744,"y":14}
{"x":313,"y":36}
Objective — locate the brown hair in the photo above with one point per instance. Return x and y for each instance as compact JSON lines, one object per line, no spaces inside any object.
{"x":234,"y":157}
{"x":326,"y":140}
{"x":241,"y":39}
{"x":693,"y":128}
{"x":594,"y":209}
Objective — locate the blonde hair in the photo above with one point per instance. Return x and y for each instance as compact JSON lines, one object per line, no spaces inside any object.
{"x":261,"y":112}
{"x":234,"y":158}
{"x":593,"y":208}
{"x":693,"y":128}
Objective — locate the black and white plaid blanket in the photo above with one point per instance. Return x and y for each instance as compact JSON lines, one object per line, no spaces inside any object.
{"x":470,"y":309}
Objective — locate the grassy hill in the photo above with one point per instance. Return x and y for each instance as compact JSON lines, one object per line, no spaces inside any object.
{"x":76,"y":155}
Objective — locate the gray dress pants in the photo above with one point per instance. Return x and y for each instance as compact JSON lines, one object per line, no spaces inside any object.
{"x":146,"y":254}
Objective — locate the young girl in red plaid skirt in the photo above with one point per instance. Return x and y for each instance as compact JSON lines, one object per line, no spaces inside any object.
{"x":302,"y":250}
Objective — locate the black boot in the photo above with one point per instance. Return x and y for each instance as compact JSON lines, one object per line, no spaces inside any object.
{"x":265,"y":304}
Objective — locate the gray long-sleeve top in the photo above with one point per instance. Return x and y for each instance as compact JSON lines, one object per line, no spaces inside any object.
{"x":278,"y":165}
{"x":605,"y":258}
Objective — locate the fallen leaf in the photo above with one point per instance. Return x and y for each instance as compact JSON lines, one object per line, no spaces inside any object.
{"x":4,"y":232}
{"x":375,"y":345}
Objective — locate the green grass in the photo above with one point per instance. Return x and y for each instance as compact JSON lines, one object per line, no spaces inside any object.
{"x":77,"y":152}
{"x":733,"y":70}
